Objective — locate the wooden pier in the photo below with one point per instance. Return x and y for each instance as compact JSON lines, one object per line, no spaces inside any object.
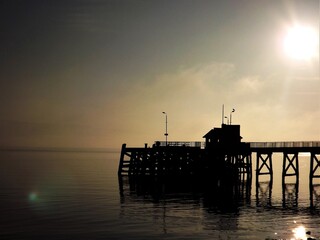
{"x":190,"y":158}
{"x":160,"y":161}
{"x":221,"y":160}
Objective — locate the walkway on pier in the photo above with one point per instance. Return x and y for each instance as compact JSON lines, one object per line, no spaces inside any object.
{"x":290,"y":152}
{"x":264,"y":151}
{"x":185,"y":156}
{"x":303,"y":146}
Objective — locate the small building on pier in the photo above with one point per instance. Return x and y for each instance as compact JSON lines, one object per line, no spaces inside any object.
{"x":225,"y":154}
{"x":227,"y":135}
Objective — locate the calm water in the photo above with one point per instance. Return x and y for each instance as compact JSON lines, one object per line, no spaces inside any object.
{"x":69,"y":195}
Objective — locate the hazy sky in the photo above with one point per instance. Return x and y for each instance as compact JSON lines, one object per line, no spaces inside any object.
{"x":100,"y":73}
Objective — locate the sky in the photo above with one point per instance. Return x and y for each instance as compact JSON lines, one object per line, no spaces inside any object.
{"x":100,"y":73}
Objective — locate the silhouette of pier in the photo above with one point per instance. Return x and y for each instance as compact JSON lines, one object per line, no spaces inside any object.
{"x":222,"y":161}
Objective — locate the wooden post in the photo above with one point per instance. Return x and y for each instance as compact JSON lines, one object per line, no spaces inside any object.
{"x":245,"y":166}
{"x":314,"y":165}
{"x":249,"y":167}
{"x":314,"y":195}
{"x":123,"y":150}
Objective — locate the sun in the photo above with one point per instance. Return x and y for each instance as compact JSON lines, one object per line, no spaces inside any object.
{"x":302,"y":43}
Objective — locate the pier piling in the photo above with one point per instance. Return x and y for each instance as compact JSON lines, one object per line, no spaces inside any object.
{"x":290,"y":166}
{"x":264,"y":165}
{"x":314,"y":166}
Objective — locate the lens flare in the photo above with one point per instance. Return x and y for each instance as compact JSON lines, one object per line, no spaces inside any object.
{"x":33,"y":197}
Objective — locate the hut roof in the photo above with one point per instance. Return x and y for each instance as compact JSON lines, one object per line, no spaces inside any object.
{"x":213,"y":133}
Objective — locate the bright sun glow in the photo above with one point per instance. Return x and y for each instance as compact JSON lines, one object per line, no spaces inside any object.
{"x":302,"y":43}
{"x":299,"y":233}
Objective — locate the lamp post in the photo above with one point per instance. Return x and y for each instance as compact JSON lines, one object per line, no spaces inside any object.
{"x":227,"y":119}
{"x":233,"y":110}
{"x":166,"y":133}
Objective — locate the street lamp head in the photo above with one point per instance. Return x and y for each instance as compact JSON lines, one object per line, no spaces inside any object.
{"x":164,"y":112}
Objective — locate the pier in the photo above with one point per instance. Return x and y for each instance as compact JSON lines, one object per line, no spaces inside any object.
{"x":222,"y":155}
{"x":220,"y":166}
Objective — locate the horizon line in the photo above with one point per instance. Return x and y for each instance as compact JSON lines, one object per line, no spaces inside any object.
{"x":61,"y":149}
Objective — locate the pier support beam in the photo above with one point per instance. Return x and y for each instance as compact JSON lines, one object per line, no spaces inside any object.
{"x":314,"y":167}
{"x":290,"y":166}
{"x":243,"y":163}
{"x":245,"y":166}
{"x":121,"y":162}
{"x":264,"y":165}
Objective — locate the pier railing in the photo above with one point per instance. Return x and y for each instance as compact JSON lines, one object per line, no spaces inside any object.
{"x":253,"y":145}
{"x":303,"y":144}
{"x":181,"y":144}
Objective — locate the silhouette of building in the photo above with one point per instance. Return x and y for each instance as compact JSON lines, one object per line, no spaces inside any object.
{"x":226,"y":136}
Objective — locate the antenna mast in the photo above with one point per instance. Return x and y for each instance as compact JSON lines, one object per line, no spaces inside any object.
{"x":222,"y":113}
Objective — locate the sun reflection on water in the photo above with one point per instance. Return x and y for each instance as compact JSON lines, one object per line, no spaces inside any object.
{"x":299,"y":233}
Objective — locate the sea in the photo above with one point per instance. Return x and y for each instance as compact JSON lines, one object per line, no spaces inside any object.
{"x":76,"y":194}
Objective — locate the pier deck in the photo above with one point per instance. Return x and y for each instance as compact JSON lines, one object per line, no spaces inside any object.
{"x":187,"y":158}
{"x":302,"y":146}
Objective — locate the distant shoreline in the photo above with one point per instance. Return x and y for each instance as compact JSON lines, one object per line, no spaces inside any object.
{"x":59,"y":149}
